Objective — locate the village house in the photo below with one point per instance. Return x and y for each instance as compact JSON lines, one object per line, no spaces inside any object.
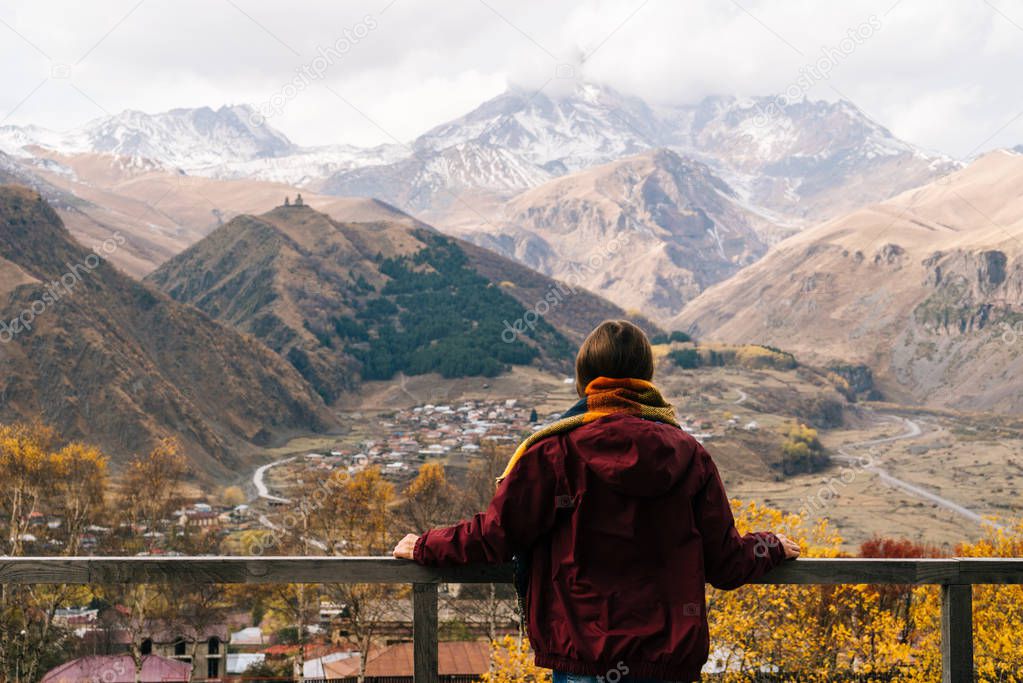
{"x":458,"y":662}
{"x":203,"y":649}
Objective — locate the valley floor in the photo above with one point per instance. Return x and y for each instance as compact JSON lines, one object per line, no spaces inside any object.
{"x":923,"y":479}
{"x":897,"y":472}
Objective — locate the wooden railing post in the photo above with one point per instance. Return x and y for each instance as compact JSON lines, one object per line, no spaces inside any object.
{"x":957,"y":633}
{"x":424,"y":633}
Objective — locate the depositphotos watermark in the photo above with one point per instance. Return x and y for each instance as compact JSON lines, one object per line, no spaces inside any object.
{"x":616,"y":674}
{"x":820,"y":500}
{"x":764,"y":545}
{"x":1011,"y":333}
{"x":59,"y":288}
{"x":313,"y":71}
{"x":553,"y":298}
{"x":108,"y":673}
{"x":560,"y":291}
{"x":830,"y":488}
{"x":813,"y":73}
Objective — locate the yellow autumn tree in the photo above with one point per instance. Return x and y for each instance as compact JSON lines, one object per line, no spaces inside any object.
{"x":77,"y":489}
{"x":232,"y":495}
{"x":806,"y":633}
{"x":802,"y":449}
{"x":511,"y":661}
{"x":997,"y":615}
{"x":152,"y":484}
{"x":26,"y":469}
{"x":356,"y":519}
{"x":430,"y":501}
{"x":41,"y":478}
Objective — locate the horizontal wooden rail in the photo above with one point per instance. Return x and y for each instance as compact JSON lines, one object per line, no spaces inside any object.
{"x":956,"y":576}
{"x":237,"y":569}
{"x":228,"y":569}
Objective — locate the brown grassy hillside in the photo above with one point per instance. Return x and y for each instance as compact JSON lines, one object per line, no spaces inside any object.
{"x":105,"y":358}
{"x":926,"y":289}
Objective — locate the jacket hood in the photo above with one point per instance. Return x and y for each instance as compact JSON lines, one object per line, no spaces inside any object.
{"x":638,"y":457}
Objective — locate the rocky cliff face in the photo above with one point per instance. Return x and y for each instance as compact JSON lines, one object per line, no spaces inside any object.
{"x":649,"y":232}
{"x":926,"y":290}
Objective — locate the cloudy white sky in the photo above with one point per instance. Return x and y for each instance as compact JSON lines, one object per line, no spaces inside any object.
{"x":940,"y":73}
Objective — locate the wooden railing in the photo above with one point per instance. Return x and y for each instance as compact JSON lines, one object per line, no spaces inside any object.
{"x":955,"y":576}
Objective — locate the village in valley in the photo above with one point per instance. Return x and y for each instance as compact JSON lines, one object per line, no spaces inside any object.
{"x":399,"y":442}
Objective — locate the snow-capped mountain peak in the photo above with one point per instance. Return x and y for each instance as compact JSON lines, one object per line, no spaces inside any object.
{"x":183,"y":138}
{"x":801,"y":159}
{"x":589,"y":125}
{"x":187,"y":138}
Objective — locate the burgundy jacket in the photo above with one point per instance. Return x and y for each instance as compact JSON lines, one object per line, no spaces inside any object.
{"x":626,"y":520}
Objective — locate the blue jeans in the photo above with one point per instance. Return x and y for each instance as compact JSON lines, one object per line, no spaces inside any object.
{"x":562,"y":677}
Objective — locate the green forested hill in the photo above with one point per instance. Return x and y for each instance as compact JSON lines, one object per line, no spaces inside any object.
{"x":346,"y":302}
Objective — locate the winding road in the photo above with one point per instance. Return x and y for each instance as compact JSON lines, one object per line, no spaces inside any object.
{"x":264,"y":492}
{"x":913,"y":430}
{"x":261,"y":489}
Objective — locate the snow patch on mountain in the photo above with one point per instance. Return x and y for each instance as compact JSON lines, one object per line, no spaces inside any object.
{"x":305,"y":166}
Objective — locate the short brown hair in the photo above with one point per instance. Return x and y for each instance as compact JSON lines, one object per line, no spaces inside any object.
{"x":616,"y":348}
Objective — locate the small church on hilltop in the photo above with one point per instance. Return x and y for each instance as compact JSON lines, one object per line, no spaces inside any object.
{"x":298,"y":200}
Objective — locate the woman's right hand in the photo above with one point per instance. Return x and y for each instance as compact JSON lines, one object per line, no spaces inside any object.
{"x":790,"y":546}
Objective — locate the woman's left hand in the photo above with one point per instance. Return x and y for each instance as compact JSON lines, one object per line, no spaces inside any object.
{"x":405,"y":547}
